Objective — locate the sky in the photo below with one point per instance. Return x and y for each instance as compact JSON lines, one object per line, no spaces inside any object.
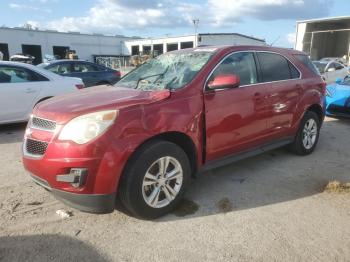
{"x":273,"y":20}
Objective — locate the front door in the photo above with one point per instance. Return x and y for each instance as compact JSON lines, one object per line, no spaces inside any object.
{"x":235,"y":117}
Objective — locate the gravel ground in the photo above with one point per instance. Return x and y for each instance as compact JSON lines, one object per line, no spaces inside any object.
{"x":267,"y":208}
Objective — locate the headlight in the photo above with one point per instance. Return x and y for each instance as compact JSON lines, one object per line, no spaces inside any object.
{"x":83,"y":129}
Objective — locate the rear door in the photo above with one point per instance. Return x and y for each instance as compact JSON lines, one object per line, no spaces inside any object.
{"x":236,"y":117}
{"x":88,"y":72}
{"x":19,"y":89}
{"x":283,"y":89}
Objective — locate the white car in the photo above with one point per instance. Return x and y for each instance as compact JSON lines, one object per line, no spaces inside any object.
{"x":22,"y":86}
{"x":331,"y":70}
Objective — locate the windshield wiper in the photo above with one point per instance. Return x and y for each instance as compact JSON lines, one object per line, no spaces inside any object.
{"x":150,"y":76}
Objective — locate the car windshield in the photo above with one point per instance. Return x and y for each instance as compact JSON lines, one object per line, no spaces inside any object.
{"x":171,"y":71}
{"x":320,"y":66}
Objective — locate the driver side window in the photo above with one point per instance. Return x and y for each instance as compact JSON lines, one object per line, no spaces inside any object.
{"x":241,"y":64}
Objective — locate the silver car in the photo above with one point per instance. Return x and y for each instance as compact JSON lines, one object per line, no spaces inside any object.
{"x":332,"y":70}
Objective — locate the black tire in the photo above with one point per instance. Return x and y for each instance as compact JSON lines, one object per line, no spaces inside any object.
{"x":298,"y":146}
{"x":131,"y":187}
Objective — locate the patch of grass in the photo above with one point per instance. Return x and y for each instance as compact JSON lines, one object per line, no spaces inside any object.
{"x":337,"y":187}
{"x":224,"y":205}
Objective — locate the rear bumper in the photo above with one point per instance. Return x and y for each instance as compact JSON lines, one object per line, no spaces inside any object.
{"x":91,"y":203}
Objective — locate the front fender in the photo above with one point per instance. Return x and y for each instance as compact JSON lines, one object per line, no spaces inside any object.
{"x":137,"y":125}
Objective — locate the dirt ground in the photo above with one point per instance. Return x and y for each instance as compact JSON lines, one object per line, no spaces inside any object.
{"x":268,"y":208}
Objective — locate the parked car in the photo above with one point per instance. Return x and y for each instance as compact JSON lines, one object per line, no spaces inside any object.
{"x":23,"y":58}
{"x":177,"y":115}
{"x":91,"y":74}
{"x":338,"y":98}
{"x":330,"y":71}
{"x":336,"y":59}
{"x":22,"y":86}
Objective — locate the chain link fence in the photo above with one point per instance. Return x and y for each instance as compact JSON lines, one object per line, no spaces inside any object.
{"x":120,"y":63}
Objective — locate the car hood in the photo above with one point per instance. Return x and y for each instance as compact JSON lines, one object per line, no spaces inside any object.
{"x":93,"y":99}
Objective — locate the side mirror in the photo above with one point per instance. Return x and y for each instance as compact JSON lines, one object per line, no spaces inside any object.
{"x":224,"y":81}
{"x":332,"y":69}
{"x":338,"y":80}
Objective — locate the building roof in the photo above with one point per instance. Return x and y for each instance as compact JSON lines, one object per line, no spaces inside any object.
{"x":58,"y":32}
{"x":200,"y":34}
{"x":237,"y":34}
{"x":326,"y":19}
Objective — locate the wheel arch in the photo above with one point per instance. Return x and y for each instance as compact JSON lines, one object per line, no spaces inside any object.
{"x":316,"y":108}
{"x":180,"y":139}
{"x":42,"y":99}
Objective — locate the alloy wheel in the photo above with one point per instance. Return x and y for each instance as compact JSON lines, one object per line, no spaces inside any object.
{"x":310,"y":133}
{"x":162,"y":182}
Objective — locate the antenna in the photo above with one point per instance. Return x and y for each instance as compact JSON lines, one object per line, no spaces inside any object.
{"x":195,"y":24}
{"x":278,"y":38}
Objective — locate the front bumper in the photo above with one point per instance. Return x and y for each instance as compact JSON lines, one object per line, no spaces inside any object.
{"x":338,"y":110}
{"x":92,"y":203}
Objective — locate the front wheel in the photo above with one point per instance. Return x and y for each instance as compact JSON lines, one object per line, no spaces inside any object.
{"x":307,"y":137}
{"x":155,"y":179}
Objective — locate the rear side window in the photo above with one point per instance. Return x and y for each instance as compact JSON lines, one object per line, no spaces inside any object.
{"x":307,"y":62}
{"x":275,"y":67}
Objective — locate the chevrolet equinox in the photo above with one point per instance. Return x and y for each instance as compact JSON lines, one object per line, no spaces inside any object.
{"x":181,"y":113}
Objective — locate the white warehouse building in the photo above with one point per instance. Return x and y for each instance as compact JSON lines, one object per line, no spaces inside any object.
{"x":40,"y":43}
{"x":167,"y":44}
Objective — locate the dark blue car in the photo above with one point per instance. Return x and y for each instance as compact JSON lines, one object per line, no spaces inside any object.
{"x":91,"y":74}
{"x":338,"y":98}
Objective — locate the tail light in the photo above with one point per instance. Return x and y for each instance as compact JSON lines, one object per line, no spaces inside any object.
{"x":80,"y":86}
{"x":117,"y":74}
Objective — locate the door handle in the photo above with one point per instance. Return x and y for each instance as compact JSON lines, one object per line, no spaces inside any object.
{"x":29,"y":91}
{"x":257,"y":96}
{"x":299,"y":89}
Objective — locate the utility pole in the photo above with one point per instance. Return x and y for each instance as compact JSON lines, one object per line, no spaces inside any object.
{"x":195,"y":24}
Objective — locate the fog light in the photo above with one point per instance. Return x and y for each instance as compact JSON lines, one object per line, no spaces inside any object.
{"x":76,"y":177}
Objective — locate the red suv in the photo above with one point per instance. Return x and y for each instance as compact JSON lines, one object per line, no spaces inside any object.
{"x":173,"y":117}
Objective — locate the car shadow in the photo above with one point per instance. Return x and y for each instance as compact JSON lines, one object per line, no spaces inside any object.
{"x":12,"y":133}
{"x":46,"y":248}
{"x":274,"y":177}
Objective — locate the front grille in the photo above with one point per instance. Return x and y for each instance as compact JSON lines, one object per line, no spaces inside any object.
{"x":43,"y":124}
{"x":36,"y":148}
